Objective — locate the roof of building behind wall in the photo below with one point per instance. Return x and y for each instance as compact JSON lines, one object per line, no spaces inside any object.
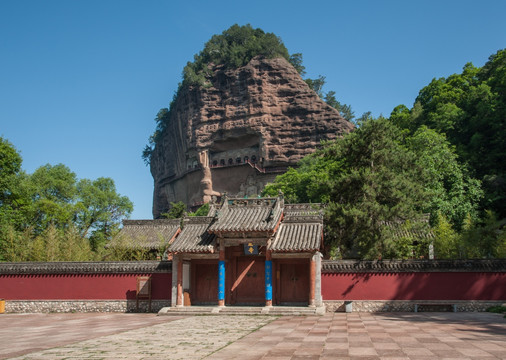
{"x":243,"y":215}
{"x":147,"y":234}
{"x":292,"y":227}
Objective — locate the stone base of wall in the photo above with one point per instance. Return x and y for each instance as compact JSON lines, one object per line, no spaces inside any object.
{"x":83,"y":306}
{"x":406,"y":305}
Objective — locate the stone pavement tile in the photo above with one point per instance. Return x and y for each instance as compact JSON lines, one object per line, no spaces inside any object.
{"x":280,"y":352}
{"x":43,"y":331}
{"x":334,"y":352}
{"x":390,"y":353}
{"x":386,"y":345}
{"x":417,"y":352}
{"x":362,"y":351}
{"x":336,"y":346}
{"x":188,"y":338}
{"x":474,"y":352}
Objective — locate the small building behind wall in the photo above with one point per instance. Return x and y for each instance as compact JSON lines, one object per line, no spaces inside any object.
{"x":249,"y":252}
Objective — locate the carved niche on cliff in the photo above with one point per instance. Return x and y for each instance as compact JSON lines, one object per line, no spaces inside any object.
{"x":238,"y":134}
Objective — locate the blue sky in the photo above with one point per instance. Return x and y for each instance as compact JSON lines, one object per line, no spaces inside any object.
{"x":82,"y":81}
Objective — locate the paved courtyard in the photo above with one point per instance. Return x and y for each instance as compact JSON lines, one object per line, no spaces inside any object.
{"x":332,"y":336}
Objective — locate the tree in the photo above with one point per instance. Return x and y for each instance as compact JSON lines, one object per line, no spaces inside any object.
{"x":454,"y":194}
{"x":296,"y":61}
{"x":53,"y":192}
{"x":366,"y":178}
{"x":469,"y":108}
{"x":380,"y":181}
{"x":345,"y":110}
{"x":12,"y":196}
{"x":316,"y":85}
{"x":99,"y":210}
{"x":177,"y":210}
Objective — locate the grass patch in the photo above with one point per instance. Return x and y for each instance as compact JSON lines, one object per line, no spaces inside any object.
{"x":497,"y":309}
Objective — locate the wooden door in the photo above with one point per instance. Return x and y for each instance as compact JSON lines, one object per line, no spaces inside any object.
{"x":205,"y":284}
{"x":294,"y":283}
{"x":249,"y":285}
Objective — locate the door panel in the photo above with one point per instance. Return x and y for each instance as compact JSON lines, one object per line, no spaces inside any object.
{"x":249,"y":285}
{"x":294,"y":283}
{"x":205,"y":290}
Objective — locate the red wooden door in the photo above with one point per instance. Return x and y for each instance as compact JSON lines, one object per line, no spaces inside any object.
{"x":249,"y":285}
{"x":205,"y":284}
{"x":294,"y":283}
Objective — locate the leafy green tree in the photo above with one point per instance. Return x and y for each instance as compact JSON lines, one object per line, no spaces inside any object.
{"x":176,"y":211}
{"x":296,"y":61}
{"x":99,"y":210}
{"x":53,"y":192}
{"x":454,"y":193}
{"x":469,"y":108}
{"x":447,"y":241}
{"x":380,"y":181}
{"x":366,"y":178}
{"x":234,"y":48}
{"x":201,"y":211}
{"x":485,"y":238}
{"x":316,"y":85}
{"x":345,"y":110}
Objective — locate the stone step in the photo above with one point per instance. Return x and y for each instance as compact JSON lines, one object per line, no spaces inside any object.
{"x":243,"y":310}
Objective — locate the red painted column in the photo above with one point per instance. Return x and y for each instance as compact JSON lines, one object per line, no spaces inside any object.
{"x":221,"y":302}
{"x":179,"y":301}
{"x":312,"y":277}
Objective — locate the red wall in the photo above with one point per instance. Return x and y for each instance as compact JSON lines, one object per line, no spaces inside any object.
{"x":81,"y":287}
{"x":414,"y":286}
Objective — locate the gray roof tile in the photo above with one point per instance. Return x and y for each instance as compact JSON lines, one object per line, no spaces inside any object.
{"x":241,"y":215}
{"x":298,"y":236}
{"x":147,"y":234}
{"x":195,"y":238}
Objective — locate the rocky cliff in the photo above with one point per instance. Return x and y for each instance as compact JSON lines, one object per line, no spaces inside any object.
{"x":235,"y":135}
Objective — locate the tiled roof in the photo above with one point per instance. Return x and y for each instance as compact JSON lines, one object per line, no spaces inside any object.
{"x":240,"y":215}
{"x":195,"y":238}
{"x":148,"y":234}
{"x":294,"y":236}
{"x":301,"y":229}
{"x":302,"y":209}
{"x":413,"y":229}
{"x":361,"y":266}
{"x":77,"y":268}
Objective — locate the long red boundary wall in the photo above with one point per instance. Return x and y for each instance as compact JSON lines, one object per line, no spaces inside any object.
{"x":343,"y":280}
{"x":414,"y":286}
{"x":81,"y":287}
{"x":83,"y":281}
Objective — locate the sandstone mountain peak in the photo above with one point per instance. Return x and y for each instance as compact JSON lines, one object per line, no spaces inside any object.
{"x":237,"y":132}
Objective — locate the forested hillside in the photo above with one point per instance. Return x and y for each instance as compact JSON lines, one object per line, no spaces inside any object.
{"x":444,"y":157}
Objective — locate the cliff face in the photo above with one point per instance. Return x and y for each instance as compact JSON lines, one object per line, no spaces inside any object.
{"x":237,"y":134}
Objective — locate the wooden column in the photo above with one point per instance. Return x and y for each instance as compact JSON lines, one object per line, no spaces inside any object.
{"x":268,"y":278}
{"x":312,"y":276}
{"x":179,"y":301}
{"x":221,"y":277}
